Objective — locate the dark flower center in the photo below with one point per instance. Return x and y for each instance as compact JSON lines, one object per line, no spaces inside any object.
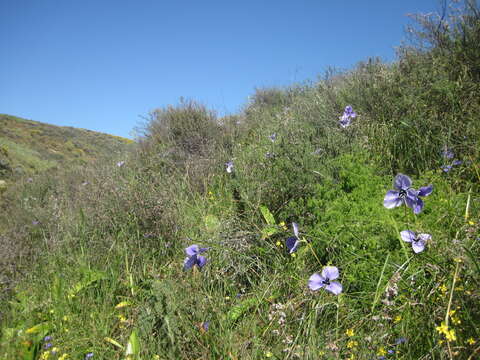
{"x":326,"y":282}
{"x":402,"y":193}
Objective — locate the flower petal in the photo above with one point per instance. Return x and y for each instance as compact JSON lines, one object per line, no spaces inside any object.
{"x":192,"y":250}
{"x":292,"y":244}
{"x":392,"y":199}
{"x":335,"y":287}
{"x":408,"y":235}
{"x":189,"y":262}
{"x":402,"y":182}
{"x":425,"y":190}
{"x":411,"y":199}
{"x":201,"y":261}
{"x":418,"y":246}
{"x":418,"y":206}
{"x":424,"y":237}
{"x":295,"y":229}
{"x":330,"y":272}
{"x":316,"y":282}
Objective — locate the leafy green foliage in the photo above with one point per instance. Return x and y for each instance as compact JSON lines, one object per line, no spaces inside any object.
{"x":104,"y":264}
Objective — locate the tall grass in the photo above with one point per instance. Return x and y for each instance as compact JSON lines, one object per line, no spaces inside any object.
{"x":104,"y":271}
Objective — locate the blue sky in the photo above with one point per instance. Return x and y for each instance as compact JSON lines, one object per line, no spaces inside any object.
{"x":103,"y":65}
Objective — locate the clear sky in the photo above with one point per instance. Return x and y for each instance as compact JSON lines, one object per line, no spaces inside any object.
{"x":103,"y":64}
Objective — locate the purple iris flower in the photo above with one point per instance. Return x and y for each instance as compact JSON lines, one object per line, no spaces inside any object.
{"x":47,"y":346}
{"x":273,"y":137}
{"x":89,"y":355}
{"x":418,"y":241}
{"x":47,"y":338}
{"x":348,"y":115}
{"x":293,"y":241}
{"x":447,"y":153}
{"x":318,"y":281}
{"x":446,"y":168}
{"x":229,"y":166}
{"x":121,"y":163}
{"x":349,"y":111}
{"x":206,"y":325}
{"x":345,"y":121}
{"x":194,"y":257}
{"x":405,"y":194}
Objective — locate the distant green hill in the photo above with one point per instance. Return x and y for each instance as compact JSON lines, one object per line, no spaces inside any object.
{"x":27,"y":147}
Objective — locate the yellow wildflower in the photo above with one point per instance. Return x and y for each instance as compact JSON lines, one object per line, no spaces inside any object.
{"x":443,"y":288}
{"x":293,"y":255}
{"x":63,"y":357}
{"x":351,"y":357}
{"x":321,"y":352}
{"x":397,"y":319}
{"x":381,"y":351}
{"x":268,"y":354}
{"x":449,"y":333}
{"x":279,"y":243}
{"x":45,"y":355}
{"x":351,"y":344}
{"x":471,"y":222}
{"x":471,"y":341}
{"x":350,"y":332}
{"x":65,"y":318}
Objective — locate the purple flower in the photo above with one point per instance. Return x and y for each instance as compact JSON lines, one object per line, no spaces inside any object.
{"x":293,"y":241}
{"x":400,"y":341}
{"x":447,"y":153}
{"x":47,"y":338}
{"x":273,"y":137}
{"x":35,"y":222}
{"x":318,"y":281}
{"x":47,"y":346}
{"x":89,"y":355}
{"x":121,"y":163}
{"x":344,"y":121}
{"x":457,"y":162}
{"x":405,"y":194}
{"x":418,"y":241}
{"x":229,"y":166}
{"x":446,"y":168}
{"x":205,"y":325}
{"x":348,"y":115}
{"x":423,"y":191}
{"x":194,"y":257}
{"x":349,"y":111}
{"x":391,"y":352}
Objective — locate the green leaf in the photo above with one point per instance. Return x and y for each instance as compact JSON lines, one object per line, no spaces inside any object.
{"x":212,"y":223}
{"x":269,"y":231}
{"x":133,"y":346}
{"x":267,"y":215}
{"x":90,"y":278}
{"x":238,"y":310}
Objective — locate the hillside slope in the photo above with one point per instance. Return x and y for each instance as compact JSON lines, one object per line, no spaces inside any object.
{"x":27,"y":146}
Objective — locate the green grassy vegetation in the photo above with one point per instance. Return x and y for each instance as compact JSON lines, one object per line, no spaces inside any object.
{"x":28,"y":147}
{"x":102,"y":271}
